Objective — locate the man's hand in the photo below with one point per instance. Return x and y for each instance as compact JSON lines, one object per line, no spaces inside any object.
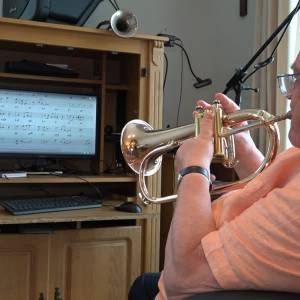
{"x":198,"y":150}
{"x":247,"y":154}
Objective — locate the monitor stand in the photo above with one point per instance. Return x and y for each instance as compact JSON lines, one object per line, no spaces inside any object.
{"x":40,"y":165}
{"x":43,"y":165}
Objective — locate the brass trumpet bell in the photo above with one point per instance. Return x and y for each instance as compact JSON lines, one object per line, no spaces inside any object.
{"x":135,"y":147}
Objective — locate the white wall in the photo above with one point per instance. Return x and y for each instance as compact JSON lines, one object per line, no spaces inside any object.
{"x":217,"y":39}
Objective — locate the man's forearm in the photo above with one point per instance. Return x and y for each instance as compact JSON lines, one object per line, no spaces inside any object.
{"x":192,"y":220}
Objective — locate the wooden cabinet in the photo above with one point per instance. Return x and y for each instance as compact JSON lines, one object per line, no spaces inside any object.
{"x":95,"y":264}
{"x":84,"y":264}
{"x":24,"y":261}
{"x":90,"y":253}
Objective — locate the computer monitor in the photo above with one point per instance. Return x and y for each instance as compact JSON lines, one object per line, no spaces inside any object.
{"x":71,"y":12}
{"x":54,"y":11}
{"x":44,"y":124}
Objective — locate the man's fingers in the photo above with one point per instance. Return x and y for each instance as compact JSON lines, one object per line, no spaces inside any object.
{"x":227,"y":104}
{"x":203,"y":104}
{"x":207,"y":125}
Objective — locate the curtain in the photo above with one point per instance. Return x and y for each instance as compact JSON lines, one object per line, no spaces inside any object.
{"x":269,"y":14}
{"x":286,"y":55}
{"x":265,"y":78}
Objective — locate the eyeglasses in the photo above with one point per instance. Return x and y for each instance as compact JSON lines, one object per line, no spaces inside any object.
{"x":286,"y":82}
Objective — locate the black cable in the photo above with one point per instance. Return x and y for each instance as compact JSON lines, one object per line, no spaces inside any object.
{"x":107,"y":22}
{"x":181,"y":81}
{"x":117,"y":5}
{"x":102,"y":23}
{"x":200,"y":83}
{"x":113,"y":4}
{"x":187,"y":58}
{"x":172,"y":41}
{"x":166,"y":70}
{"x":100,"y":194}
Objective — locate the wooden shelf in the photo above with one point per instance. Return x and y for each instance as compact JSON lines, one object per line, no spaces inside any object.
{"x":55,"y":79}
{"x":104,"y":213}
{"x":109,"y":178}
{"x":117,"y":87}
{"x":12,"y":76}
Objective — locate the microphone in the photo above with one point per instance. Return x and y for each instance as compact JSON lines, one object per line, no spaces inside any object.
{"x":202,"y":83}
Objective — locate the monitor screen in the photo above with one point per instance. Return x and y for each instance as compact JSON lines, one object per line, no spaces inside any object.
{"x":42,"y":124}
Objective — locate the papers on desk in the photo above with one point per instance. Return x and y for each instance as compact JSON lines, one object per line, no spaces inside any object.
{"x":8,"y":175}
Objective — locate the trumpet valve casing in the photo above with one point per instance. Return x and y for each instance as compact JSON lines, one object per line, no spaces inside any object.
{"x":218,"y":140}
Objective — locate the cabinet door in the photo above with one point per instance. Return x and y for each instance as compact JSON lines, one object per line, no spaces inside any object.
{"x":95,"y":263}
{"x":24,"y":266}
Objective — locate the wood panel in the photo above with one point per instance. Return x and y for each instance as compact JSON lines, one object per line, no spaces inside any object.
{"x":96,"y":263}
{"x":153,"y":115}
{"x":24,"y":261}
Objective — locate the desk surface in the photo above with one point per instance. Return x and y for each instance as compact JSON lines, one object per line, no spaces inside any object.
{"x":104,"y":213}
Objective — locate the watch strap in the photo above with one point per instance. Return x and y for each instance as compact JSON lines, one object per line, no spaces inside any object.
{"x":194,"y":169}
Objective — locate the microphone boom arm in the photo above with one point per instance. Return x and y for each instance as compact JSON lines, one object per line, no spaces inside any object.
{"x":236,"y":80}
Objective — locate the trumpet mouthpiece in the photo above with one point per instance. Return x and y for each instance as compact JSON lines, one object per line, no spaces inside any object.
{"x":279,"y":118}
{"x":289,"y":115}
{"x":282,"y":117}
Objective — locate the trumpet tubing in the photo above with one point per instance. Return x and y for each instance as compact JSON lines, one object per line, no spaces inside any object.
{"x":142,"y":147}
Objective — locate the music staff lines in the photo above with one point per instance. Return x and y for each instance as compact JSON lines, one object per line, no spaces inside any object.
{"x":5,"y":115}
{"x":47,"y":121}
{"x":30,"y":99}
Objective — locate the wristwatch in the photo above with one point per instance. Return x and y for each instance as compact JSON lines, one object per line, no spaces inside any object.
{"x":194,"y":169}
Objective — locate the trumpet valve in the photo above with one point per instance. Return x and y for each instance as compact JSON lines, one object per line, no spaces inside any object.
{"x":218,"y":140}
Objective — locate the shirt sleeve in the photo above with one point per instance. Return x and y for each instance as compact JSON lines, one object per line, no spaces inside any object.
{"x":259,"y":249}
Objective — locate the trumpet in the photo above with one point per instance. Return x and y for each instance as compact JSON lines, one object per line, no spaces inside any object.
{"x":142,"y":146}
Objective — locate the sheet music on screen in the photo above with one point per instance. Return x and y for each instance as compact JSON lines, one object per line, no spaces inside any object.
{"x":47,"y":123}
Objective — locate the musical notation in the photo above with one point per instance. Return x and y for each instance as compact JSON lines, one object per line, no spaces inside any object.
{"x":47,"y":121}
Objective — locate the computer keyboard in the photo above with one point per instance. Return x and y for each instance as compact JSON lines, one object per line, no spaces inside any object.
{"x":48,"y":204}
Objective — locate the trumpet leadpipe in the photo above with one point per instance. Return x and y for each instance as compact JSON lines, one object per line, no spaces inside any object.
{"x":258,"y":120}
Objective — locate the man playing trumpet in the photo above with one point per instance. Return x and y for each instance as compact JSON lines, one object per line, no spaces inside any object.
{"x":248,"y":238}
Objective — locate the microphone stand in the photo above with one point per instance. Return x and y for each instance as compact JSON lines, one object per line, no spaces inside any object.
{"x":236,"y":81}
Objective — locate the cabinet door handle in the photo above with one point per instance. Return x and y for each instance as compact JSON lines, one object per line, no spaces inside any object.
{"x":41,"y":297}
{"x":57,"y":294}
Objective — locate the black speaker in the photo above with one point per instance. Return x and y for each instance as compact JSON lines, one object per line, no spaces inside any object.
{"x":52,"y":11}
{"x":26,"y":9}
